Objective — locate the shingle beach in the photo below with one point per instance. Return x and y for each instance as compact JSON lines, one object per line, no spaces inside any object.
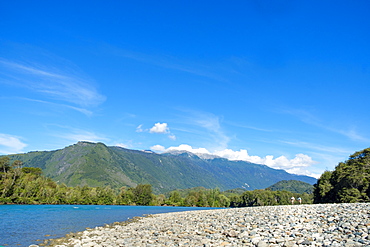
{"x":293,"y":225}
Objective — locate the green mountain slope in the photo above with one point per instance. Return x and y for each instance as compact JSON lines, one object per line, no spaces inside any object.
{"x":95,"y":164}
{"x":292,"y":186}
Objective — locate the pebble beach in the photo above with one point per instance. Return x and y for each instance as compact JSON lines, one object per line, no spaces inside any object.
{"x":289,"y":225}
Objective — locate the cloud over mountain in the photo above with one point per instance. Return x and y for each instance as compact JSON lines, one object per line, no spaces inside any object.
{"x":297,"y":165}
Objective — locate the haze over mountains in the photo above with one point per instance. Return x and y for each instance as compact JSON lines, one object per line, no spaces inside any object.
{"x":95,"y":164}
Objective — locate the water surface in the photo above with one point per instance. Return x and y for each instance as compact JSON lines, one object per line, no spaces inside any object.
{"x":22,"y":225}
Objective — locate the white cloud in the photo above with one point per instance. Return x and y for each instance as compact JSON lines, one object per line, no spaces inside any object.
{"x":160,"y":128}
{"x":297,"y":165}
{"x":139,"y":128}
{"x":185,"y":147}
{"x":122,"y":145}
{"x":10,"y":144}
{"x":158,"y":148}
{"x":67,"y":85}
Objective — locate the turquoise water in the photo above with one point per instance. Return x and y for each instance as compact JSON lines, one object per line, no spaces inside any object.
{"x":23,"y":225}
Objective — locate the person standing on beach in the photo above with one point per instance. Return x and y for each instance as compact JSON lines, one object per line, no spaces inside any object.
{"x":292,"y":199}
{"x":300,"y":200}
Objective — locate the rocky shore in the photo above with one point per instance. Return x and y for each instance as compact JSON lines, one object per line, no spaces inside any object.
{"x":294,"y":225}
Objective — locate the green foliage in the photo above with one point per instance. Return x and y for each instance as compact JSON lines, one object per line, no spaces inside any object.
{"x":349,"y":182}
{"x":175,"y":198}
{"x":268,"y":198}
{"x":237,"y":191}
{"x":323,"y":188}
{"x":294,"y":186}
{"x":4,"y":164}
{"x":215,"y":198}
{"x":125,"y":197}
{"x":27,"y":185}
{"x":195,"y":197}
{"x":142,"y":194}
{"x":33,"y":170}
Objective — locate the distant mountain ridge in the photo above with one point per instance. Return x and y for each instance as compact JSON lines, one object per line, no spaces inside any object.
{"x":95,"y":164}
{"x":200,"y":155}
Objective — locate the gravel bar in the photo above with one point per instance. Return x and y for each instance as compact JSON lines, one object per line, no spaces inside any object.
{"x":293,"y":225}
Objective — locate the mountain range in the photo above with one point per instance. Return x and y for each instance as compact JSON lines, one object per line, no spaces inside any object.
{"x":95,"y":164}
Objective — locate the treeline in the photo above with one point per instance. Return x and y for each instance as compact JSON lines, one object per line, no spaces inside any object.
{"x":349,"y":182}
{"x":27,"y":185}
{"x":269,"y":198}
{"x":202,"y":197}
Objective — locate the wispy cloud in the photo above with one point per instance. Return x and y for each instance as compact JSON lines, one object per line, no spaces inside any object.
{"x":62,"y":84}
{"x":352,"y":134}
{"x":79,"y":109}
{"x":244,"y":126}
{"x":83,"y":135}
{"x":318,"y":147}
{"x":309,"y":118}
{"x":139,"y":128}
{"x":210,"y":125}
{"x":167,"y":62}
{"x":10,"y":144}
{"x":75,"y":134}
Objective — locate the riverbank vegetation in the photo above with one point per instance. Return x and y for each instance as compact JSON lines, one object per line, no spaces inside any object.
{"x":349,"y":182}
{"x":27,"y":185}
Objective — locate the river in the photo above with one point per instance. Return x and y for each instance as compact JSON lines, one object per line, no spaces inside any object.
{"x":23,"y":225}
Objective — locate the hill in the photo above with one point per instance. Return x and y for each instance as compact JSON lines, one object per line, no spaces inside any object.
{"x":292,"y":186}
{"x":95,"y":164}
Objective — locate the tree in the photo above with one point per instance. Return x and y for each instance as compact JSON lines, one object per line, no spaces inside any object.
{"x":33,"y":170}
{"x":17,"y":164}
{"x":4,"y":164}
{"x":322,"y":188}
{"x":349,"y":182}
{"x":175,"y":198}
{"x":160,"y":199}
{"x":142,"y":194}
{"x":126,"y":196}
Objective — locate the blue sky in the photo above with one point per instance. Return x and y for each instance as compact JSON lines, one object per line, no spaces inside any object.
{"x":281,"y":83}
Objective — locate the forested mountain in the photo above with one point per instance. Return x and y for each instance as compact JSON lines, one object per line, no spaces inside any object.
{"x":95,"y":164}
{"x":294,"y":186}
